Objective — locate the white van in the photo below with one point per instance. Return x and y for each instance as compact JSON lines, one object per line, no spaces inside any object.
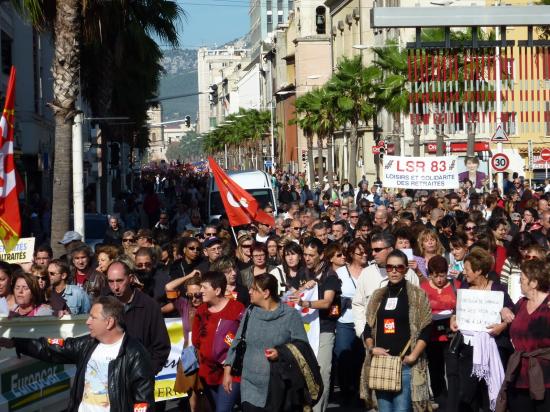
{"x":255,"y":182}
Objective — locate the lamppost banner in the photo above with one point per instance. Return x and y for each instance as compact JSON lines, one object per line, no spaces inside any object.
{"x":437,"y":172}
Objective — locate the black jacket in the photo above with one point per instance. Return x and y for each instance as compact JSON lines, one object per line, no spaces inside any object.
{"x":294,"y":379}
{"x":144,"y":322}
{"x":130,"y":375}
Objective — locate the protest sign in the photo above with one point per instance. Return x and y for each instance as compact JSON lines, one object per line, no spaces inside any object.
{"x":21,"y":253}
{"x":477,"y":309}
{"x":166,"y":378}
{"x":310,"y":317}
{"x":514,"y":287}
{"x":439,"y":172}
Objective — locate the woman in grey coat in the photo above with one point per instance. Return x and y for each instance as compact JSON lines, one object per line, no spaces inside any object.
{"x":270,"y":324}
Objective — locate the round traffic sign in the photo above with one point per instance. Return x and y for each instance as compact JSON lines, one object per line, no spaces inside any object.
{"x":545,"y":154}
{"x":500,"y":162}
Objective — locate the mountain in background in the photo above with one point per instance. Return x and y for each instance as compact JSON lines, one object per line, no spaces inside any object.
{"x":180,"y":77}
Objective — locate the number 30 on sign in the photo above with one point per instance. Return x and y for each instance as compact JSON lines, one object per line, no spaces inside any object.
{"x":500,"y":162}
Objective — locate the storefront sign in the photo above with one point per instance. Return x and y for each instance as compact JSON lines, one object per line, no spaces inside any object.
{"x":420,"y":172}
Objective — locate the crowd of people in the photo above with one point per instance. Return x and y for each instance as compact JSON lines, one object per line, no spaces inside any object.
{"x":386,"y":268}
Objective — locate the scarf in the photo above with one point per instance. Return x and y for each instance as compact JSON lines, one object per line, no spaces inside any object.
{"x":420,"y":316}
{"x":486,"y":363}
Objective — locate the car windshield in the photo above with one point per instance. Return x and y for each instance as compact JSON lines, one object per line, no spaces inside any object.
{"x":263,"y":196}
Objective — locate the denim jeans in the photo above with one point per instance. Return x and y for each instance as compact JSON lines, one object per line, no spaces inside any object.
{"x":220,"y":400}
{"x":397,"y":401}
{"x":349,"y":354}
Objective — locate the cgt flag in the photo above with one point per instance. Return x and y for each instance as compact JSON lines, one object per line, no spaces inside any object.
{"x":10,"y":220}
{"x":240,"y":206}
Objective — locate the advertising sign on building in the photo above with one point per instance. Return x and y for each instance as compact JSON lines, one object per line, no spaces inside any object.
{"x":439,"y":172}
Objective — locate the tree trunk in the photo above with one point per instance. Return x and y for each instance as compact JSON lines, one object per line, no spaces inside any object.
{"x":330,"y":165}
{"x":416,"y":142}
{"x":397,"y":134}
{"x":321,"y":173}
{"x":439,"y":143}
{"x":470,"y":151}
{"x":310,"y":164}
{"x":66,"y":67}
{"x":353,"y":154}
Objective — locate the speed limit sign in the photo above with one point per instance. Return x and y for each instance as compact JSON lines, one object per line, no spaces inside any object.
{"x":500,"y":162}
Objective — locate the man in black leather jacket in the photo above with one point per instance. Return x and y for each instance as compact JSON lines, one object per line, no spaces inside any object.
{"x":112,"y":368}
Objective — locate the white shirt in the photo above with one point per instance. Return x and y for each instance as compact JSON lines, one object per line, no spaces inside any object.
{"x":348,"y":291}
{"x":4,"y":309}
{"x":96,"y":381}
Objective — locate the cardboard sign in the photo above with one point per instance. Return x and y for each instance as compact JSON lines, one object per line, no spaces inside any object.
{"x":437,"y":172}
{"x":21,"y":253}
{"x":477,"y":309}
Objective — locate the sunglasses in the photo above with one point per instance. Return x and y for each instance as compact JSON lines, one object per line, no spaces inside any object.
{"x":338,"y":254}
{"x":396,"y":268}
{"x":193,"y":295}
{"x":344,"y":213}
{"x":128,"y":240}
{"x":296,"y":228}
{"x":53,"y":273}
{"x":362,"y":253}
{"x":378,"y":249}
{"x":41,"y":277}
{"x":192,"y":247}
{"x":354,"y":217}
{"x":531,"y":257}
{"x":468,"y":228}
{"x":213,"y":234}
{"x":246,"y":246}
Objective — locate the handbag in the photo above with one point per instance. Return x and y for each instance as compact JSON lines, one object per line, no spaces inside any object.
{"x":189,"y":360}
{"x":385,"y":371}
{"x":240,"y":349}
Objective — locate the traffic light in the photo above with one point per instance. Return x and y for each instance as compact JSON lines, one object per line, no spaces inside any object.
{"x":115,"y":154}
{"x":304,"y":155}
{"x":213,"y":97}
{"x":187,"y":121}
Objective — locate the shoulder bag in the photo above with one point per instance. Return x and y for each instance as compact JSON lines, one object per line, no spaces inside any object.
{"x":240,"y":349}
{"x":385,"y":371}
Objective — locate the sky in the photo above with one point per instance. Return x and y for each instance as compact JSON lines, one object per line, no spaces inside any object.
{"x":212,"y":22}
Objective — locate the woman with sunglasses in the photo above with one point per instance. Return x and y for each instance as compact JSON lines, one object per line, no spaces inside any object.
{"x":190,"y":250}
{"x":348,"y":348}
{"x":129,"y":243}
{"x":244,"y":251}
{"x":470,"y":230}
{"x":334,"y":256}
{"x":399,"y":321}
{"x":186,"y":306}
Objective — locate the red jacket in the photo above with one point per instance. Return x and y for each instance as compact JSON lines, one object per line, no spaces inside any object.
{"x":212,"y":336}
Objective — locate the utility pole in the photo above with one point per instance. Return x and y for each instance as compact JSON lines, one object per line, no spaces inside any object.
{"x":78,"y":177}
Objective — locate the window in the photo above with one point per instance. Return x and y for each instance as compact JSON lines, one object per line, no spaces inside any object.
{"x":320,"y":20}
{"x":280,"y":19}
{"x":5,"y":50}
{"x":279,"y":4}
{"x":269,"y":19}
{"x":290,"y":5}
{"x":268,"y":5}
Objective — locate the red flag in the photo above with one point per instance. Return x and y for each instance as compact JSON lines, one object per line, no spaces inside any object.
{"x":240,"y":206}
{"x":10,"y":220}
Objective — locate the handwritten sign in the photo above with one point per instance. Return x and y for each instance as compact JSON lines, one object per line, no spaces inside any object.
{"x":438,"y":172}
{"x":21,"y":253}
{"x":477,"y":309}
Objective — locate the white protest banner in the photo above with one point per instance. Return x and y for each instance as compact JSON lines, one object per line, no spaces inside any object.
{"x":477,"y":309}
{"x":309,"y":316}
{"x":514,"y":287}
{"x":166,"y":378}
{"x":21,"y":253}
{"x":439,"y":172}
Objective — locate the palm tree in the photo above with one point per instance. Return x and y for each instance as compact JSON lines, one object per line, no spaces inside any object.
{"x":356,"y":89}
{"x":392,"y":93}
{"x":304,"y":120}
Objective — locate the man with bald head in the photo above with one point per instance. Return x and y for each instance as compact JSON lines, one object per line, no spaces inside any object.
{"x":381,"y":219}
{"x":142,"y":314}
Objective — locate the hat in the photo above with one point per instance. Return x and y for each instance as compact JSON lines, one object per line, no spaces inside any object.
{"x":515,"y":216}
{"x":336,"y":203}
{"x":211,"y":241}
{"x":70,"y":236}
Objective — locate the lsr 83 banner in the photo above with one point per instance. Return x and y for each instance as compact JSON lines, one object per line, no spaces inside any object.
{"x":440,"y":172}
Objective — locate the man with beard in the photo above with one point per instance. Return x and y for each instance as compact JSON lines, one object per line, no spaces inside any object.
{"x":148,"y":274}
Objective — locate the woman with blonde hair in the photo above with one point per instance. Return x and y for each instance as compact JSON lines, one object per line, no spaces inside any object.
{"x":243,"y":253}
{"x":129,"y":243}
{"x":429,"y":246}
